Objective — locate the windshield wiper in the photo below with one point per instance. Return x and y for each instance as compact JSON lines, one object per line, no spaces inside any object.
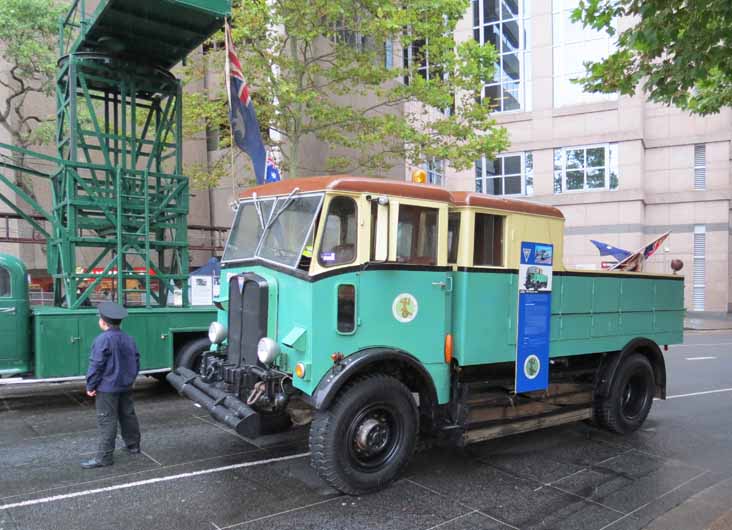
{"x":258,"y":207}
{"x":274,"y":215}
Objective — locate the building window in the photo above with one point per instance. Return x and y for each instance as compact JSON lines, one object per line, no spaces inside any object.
{"x":435,"y":169}
{"x":700,"y":167}
{"x":506,"y":175}
{"x":586,"y":168}
{"x":504,"y":24}
{"x":574,"y":45}
{"x":699,"y":273}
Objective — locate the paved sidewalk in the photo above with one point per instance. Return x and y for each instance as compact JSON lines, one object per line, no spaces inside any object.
{"x":707,"y":320}
{"x":707,"y":510}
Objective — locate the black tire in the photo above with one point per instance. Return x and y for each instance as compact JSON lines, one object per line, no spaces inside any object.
{"x":627,"y":405}
{"x":189,"y":356}
{"x":367,"y":436}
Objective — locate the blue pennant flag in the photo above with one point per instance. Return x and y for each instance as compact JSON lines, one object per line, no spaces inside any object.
{"x":609,"y":250}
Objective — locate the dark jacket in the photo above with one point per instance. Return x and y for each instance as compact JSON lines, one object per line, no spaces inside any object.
{"x":114,"y":362}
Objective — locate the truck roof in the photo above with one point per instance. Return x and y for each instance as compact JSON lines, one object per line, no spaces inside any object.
{"x":402,"y":189}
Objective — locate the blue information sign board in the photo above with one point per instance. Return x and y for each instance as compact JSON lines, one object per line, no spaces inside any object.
{"x":534,"y":316}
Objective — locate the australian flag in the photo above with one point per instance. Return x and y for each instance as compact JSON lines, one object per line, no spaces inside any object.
{"x":244,"y":124}
{"x":609,"y":250}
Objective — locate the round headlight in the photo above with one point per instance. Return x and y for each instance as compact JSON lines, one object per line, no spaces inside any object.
{"x":267,"y":350}
{"x":216,"y":332}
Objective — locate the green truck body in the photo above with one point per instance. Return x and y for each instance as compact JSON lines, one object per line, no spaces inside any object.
{"x":382,"y":311}
{"x":46,"y":342}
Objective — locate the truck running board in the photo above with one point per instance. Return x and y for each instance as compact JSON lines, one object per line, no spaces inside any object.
{"x":519,"y":426}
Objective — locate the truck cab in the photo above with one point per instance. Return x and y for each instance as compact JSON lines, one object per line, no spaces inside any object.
{"x":15,"y":355}
{"x":383,"y":310}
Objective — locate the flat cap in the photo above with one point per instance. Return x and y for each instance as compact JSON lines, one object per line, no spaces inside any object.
{"x":111,"y":311}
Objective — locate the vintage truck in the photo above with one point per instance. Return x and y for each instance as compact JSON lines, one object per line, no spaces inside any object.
{"x":48,"y":343}
{"x":383,"y":310}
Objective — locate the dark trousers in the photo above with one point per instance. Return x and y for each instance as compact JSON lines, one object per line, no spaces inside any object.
{"x":113,"y":407}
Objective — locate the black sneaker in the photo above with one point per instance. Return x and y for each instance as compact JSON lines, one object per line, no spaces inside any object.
{"x":91,"y":464}
{"x":134,"y":449}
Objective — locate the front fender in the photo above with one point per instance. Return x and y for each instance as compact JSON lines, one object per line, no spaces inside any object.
{"x":364,"y":361}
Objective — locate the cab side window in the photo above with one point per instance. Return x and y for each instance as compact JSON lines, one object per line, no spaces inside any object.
{"x":4,"y":282}
{"x":453,"y":236}
{"x":488,"y":242}
{"x":338,"y":246}
{"x":417,"y":235}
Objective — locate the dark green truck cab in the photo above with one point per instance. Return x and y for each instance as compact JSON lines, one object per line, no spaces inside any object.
{"x":46,"y":342}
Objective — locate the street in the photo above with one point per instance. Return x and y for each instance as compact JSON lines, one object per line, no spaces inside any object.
{"x":676,"y":473}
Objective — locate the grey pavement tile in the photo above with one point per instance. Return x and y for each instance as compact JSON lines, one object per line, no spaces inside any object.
{"x":470,"y":521}
{"x":188,"y":438}
{"x":7,"y":522}
{"x":224,"y":497}
{"x":521,"y":503}
{"x":403,"y":506}
{"x":629,"y":481}
{"x":14,"y":428}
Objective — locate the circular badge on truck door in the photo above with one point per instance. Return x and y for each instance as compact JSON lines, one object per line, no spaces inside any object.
{"x":532,"y":366}
{"x":404,"y":308}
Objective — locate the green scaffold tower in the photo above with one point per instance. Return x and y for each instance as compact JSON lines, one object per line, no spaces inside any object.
{"x":119,"y":193}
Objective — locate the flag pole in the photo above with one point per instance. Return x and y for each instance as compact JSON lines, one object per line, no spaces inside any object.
{"x":227,"y":35}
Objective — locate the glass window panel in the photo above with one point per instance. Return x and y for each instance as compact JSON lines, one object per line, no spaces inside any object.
{"x":595,"y":157}
{"x":346,"y":308}
{"x":575,"y":180}
{"x":286,"y":236}
{"x":488,"y":240}
{"x":557,"y":182}
{"x":510,"y":38}
{"x":476,"y":34}
{"x":511,"y":67}
{"x":491,"y":11}
{"x":512,"y":165}
{"x":493,"y":93}
{"x":479,"y":185}
{"x":493,"y":167}
{"x":613,"y":180}
{"x":575,"y":158}
{"x":247,"y":230}
{"x":453,"y":236}
{"x":509,"y":9}
{"x":338,"y":245}
{"x":476,"y":12}
{"x":512,"y":185}
{"x":557,"y":160}
{"x":4,"y":282}
{"x":596,"y":178}
{"x":479,"y":168}
{"x":529,"y":173}
{"x":417,"y":235}
{"x":493,"y":186}
{"x":511,"y":96}
{"x":491,"y":34}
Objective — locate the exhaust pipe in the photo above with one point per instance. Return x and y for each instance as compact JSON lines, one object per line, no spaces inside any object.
{"x":223,"y":407}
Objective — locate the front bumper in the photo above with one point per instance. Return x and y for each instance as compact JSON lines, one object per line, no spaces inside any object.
{"x":223,"y":407}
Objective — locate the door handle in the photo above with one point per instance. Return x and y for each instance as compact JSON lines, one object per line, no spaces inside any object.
{"x":447,"y":284}
{"x":10,"y":310}
{"x":74,"y":340}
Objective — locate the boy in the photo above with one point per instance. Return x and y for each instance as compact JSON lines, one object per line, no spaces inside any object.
{"x":113,"y":366}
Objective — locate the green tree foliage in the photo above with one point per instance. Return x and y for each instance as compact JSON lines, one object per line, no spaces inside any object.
{"x":28,"y":39}
{"x":677,"y":51}
{"x":319,"y":70}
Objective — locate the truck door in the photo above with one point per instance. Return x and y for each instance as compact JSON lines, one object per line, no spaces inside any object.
{"x":14,"y":336}
{"x":405,"y":300}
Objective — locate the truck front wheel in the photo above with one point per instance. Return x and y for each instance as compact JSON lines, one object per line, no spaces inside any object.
{"x":367,"y":436}
{"x":627,"y":405}
{"x":189,"y":355}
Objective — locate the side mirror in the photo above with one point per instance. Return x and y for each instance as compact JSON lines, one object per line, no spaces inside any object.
{"x":381,"y":249}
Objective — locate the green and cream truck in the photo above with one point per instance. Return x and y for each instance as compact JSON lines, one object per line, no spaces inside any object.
{"x":382,"y":311}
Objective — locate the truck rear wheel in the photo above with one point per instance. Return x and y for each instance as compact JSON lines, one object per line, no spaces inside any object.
{"x":627,"y":405}
{"x":367,"y":436}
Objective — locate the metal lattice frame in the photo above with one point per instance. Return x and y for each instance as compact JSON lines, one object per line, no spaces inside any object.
{"x":120,"y":193}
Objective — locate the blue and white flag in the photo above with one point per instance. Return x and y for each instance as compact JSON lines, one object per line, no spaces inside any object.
{"x":273,"y":172}
{"x":609,"y":250}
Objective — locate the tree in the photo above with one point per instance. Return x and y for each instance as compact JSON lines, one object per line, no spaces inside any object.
{"x":28,"y":37}
{"x":321,"y":70}
{"x":678,"y":51}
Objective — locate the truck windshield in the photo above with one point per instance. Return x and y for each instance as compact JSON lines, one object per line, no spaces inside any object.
{"x":286,"y":229}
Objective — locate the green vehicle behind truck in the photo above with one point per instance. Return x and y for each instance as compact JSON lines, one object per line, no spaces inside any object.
{"x":384,"y":311}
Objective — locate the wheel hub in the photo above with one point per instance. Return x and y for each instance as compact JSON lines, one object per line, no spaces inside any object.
{"x":372,"y":435}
